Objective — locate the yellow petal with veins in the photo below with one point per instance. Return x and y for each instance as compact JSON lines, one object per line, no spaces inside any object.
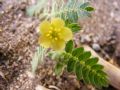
{"x":57,"y":22}
{"x":58,"y":44}
{"x":66,"y":34}
{"x":44,"y":41}
{"x":44,"y":27}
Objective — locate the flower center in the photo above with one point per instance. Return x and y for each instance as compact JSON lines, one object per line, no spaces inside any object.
{"x":54,"y":33}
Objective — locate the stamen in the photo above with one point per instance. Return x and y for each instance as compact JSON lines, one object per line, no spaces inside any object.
{"x":50,"y":31}
{"x":48,"y":35}
{"x":56,"y":38}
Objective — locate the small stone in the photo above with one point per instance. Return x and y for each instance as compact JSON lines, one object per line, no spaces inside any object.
{"x":85,"y":38}
{"x":1,"y":13}
{"x":113,"y":42}
{"x":17,"y":86}
{"x":30,"y":74}
{"x":95,"y":39}
{"x":112,"y":14}
{"x":96,"y":47}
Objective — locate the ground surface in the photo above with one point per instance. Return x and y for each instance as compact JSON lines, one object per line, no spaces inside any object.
{"x":104,"y":27}
{"x":18,"y":40}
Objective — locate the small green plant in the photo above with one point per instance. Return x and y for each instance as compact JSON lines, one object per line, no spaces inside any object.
{"x":81,"y":63}
{"x":56,"y":32}
{"x":71,"y":10}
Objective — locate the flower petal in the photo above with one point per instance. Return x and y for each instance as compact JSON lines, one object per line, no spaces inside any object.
{"x":58,"y":45}
{"x":66,"y":34}
{"x":44,"y":27}
{"x":57,"y":22}
{"x":44,"y":41}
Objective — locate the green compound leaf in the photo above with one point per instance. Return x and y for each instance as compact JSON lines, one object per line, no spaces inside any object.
{"x":71,"y":10}
{"x":74,"y":10}
{"x":84,"y":66}
{"x":69,"y":46}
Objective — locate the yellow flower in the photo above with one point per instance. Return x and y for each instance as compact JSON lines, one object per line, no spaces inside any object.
{"x":54,"y":34}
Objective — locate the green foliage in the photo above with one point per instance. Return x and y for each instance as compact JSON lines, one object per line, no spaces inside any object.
{"x":85,"y":66}
{"x":69,"y":46}
{"x":75,"y":60}
{"x":89,"y":8}
{"x":37,"y":58}
{"x":77,"y":51}
{"x":70,"y":65}
{"x":71,"y":10}
{"x":84,"y":5}
{"x":73,"y":26}
{"x":35,"y":9}
{"x":59,"y":68}
{"x":74,"y":9}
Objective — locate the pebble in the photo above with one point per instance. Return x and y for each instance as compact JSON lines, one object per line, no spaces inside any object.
{"x":113,"y":42}
{"x":96,"y":47}
{"x":1,"y":13}
{"x":85,"y":38}
{"x":112,"y":14}
{"x":30,"y":75}
{"x":95,"y":39}
{"x":17,"y":86}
